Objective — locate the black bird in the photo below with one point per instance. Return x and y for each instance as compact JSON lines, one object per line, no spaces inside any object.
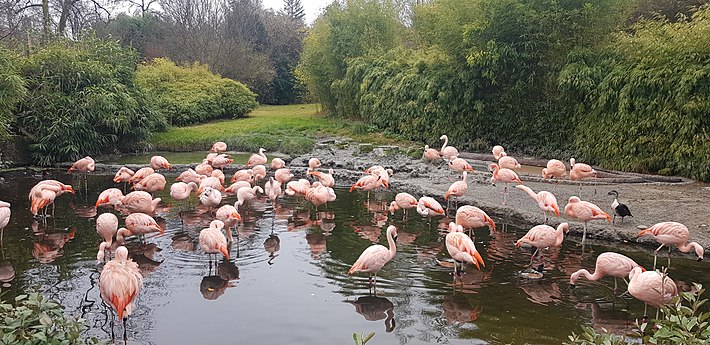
{"x":620,"y":210}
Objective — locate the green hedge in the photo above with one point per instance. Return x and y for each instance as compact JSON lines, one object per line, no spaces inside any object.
{"x":12,"y":89}
{"x":193,"y":94}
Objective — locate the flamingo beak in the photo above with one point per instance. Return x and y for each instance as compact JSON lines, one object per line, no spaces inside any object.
{"x":557,"y":210}
{"x":387,"y":184}
{"x":101,"y":201}
{"x":236,"y":216}
{"x":70,"y":189}
{"x":642,"y":269}
{"x":199,"y":190}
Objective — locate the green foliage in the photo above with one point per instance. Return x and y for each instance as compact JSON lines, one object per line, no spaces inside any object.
{"x":34,"y":320}
{"x":360,"y":340}
{"x":679,"y":324}
{"x":644,"y":99}
{"x":12,"y":89}
{"x":81,"y":99}
{"x":193,"y":94}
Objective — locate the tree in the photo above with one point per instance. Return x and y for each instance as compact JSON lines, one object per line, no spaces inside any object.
{"x":294,"y":9}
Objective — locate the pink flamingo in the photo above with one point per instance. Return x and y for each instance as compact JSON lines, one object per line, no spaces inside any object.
{"x":651,"y":287}
{"x":579,"y":171}
{"x":472,"y":217}
{"x":672,"y":234}
{"x":5,"y":213}
{"x":368,"y":183}
{"x":141,"y":174}
{"x":608,"y":264}
{"x":314,"y":163}
{"x":221,"y":161}
{"x":110,"y":196}
{"x":219,"y":175}
{"x":210,"y":197}
{"x":188,"y":176}
{"x":230,"y":217}
{"x":234,"y":187}
{"x":277,"y":163}
{"x":381,"y":172}
{"x":459,"y":165}
{"x":462,"y":249}
{"x":120,"y":283}
{"x":44,"y":192}
{"x":210,"y":158}
{"x":430,"y":155}
{"x":505,"y":176}
{"x":403,"y":201}
{"x":325,"y":179}
{"x":507,"y":162}
{"x":159,"y":162}
{"x":429,"y":207}
{"x":123,"y":175}
{"x":584,"y":211}
{"x":259,"y":173}
{"x":204,"y":168}
{"x":543,"y":236}
{"x":375,"y":257}
{"x":554,"y":169}
{"x":317,"y":194}
{"x":545,"y":200}
{"x":243,"y":175}
{"x":272,"y":189}
{"x":219,"y":147}
{"x":83,"y":166}
{"x":447,"y":151}
{"x":138,"y":224}
{"x":210,"y":181}
{"x":498,"y":151}
{"x":152,"y":183}
{"x":283,"y":175}
{"x":457,"y":189}
{"x":212,"y":241}
{"x":181,"y":191}
{"x":245,"y":195}
{"x":106,"y":227}
{"x":139,"y":202}
{"x":297,"y":187}
{"x":257,"y":159}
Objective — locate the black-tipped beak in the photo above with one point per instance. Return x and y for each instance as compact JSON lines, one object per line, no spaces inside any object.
{"x":572,"y":286}
{"x":395,"y":238}
{"x":700,"y":259}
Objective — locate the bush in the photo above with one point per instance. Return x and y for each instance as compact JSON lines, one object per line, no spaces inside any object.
{"x":12,"y":89}
{"x":34,"y":320}
{"x":188,"y":95}
{"x":81,"y":99}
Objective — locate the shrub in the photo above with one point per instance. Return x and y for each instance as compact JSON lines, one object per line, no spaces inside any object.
{"x":12,"y":88}
{"x":81,"y":99}
{"x":193,"y":94}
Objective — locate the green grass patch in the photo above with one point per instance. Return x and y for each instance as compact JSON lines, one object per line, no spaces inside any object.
{"x":291,"y":129}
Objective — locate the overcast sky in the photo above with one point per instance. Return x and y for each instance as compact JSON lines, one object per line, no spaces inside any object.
{"x":312,"y":7}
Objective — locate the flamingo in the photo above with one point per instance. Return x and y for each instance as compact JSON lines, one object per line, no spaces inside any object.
{"x":459,"y":165}
{"x":120,"y":283}
{"x":188,"y":176}
{"x":472,"y":217}
{"x":457,"y":189}
{"x":608,"y":264}
{"x":230,"y":217}
{"x":430,"y":155}
{"x":152,"y":183}
{"x":317,"y":194}
{"x":579,"y":171}
{"x":181,"y":191}
{"x":138,"y":224}
{"x":381,"y":172}
{"x":210,"y":158}
{"x":277,"y":163}
{"x":234,"y":187}
{"x":368,"y":183}
{"x":283,"y":175}
{"x":212,"y":241}
{"x":219,"y":147}
{"x":210,"y":181}
{"x":554,"y":169}
{"x":243,"y":175}
{"x":159,"y":162}
{"x":204,"y":168}
{"x":651,"y":287}
{"x":545,"y":200}
{"x":672,"y":234}
{"x":259,"y":172}
{"x":462,"y":249}
{"x":375,"y":257}
{"x":498,"y":152}
{"x":141,"y":174}
{"x":584,"y":211}
{"x":110,"y":196}
{"x":221,"y":161}
{"x":139,"y":202}
{"x":5,"y":213}
{"x":44,"y":192}
{"x":447,"y":151}
{"x":219,"y":175}
{"x":210,"y":197}
{"x":245,"y":195}
{"x":507,"y":162}
{"x":272,"y":189}
{"x":123,"y":175}
{"x":325,"y":179}
{"x":543,"y":236}
{"x":503,"y":175}
{"x":428,"y":207}
{"x":297,"y":187}
{"x":257,"y":159}
{"x":314,"y":163}
{"x":83,"y":166}
{"x":403,"y":201}
{"x":106,"y":227}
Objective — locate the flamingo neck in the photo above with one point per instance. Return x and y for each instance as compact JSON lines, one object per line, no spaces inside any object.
{"x":686,"y":248}
{"x":585,"y":273}
{"x":390,"y":241}
{"x":559,"y":232}
{"x":446,"y":142}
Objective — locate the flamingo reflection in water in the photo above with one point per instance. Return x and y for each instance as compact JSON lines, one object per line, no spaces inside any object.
{"x":458,"y":309}
{"x":316,"y":243}
{"x":272,"y":245}
{"x":48,"y":247}
{"x":375,"y":308}
{"x":214,"y":286}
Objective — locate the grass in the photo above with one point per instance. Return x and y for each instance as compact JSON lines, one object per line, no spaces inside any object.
{"x":291,"y":129}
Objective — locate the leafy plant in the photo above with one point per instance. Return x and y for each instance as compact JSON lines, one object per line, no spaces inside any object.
{"x":35,"y":320}
{"x":360,"y":340}
{"x":12,"y":89}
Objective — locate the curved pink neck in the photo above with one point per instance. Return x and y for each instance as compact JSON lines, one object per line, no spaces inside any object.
{"x":586,"y":274}
{"x":559,"y":232}
{"x":686,"y":248}
{"x":393,"y":247}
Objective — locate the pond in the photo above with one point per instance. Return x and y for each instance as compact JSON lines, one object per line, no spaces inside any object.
{"x":178,"y":157}
{"x":287,"y":283}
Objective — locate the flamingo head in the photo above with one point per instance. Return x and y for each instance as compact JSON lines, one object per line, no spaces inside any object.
{"x":235,"y":215}
{"x":443,"y":137}
{"x":556,"y":208}
{"x":573,"y":199}
{"x":564,"y":227}
{"x":493,"y":167}
{"x":68,"y":188}
{"x":100,"y":202}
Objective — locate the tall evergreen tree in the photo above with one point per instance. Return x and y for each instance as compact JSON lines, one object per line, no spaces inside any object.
{"x":294,"y":9}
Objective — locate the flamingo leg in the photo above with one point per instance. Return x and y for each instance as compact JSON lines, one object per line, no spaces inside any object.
{"x":669,"y":262}
{"x":533,"y":256}
{"x":584,"y":233}
{"x":2,"y":232}
{"x":125,"y":333}
{"x":655,"y":255}
{"x":505,"y":194}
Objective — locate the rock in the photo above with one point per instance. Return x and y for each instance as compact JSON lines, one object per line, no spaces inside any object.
{"x":365,"y":148}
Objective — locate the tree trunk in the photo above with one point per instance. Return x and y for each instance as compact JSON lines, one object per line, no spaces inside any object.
{"x":45,"y":21}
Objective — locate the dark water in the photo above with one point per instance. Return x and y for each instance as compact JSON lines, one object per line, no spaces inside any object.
{"x":179,"y":157}
{"x":299,"y":292}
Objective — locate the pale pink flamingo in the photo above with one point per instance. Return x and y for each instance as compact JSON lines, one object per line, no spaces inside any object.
{"x":430,"y":155}
{"x":210,"y":158}
{"x":210,"y":181}
{"x":219,"y":147}
{"x":672,"y":234}
{"x":139,"y":202}
{"x":314,"y":163}
{"x":44,"y":192}
{"x":159,"y":162}
{"x":554,"y":169}
{"x":505,"y":176}
{"x":245,"y":195}
{"x":447,"y":151}
{"x":4,"y":217}
{"x":283,"y":175}
{"x":152,"y":183}
{"x":498,"y":151}
{"x":204,"y":168}
{"x":120,"y":283}
{"x":272,"y":189}
{"x":325,"y":179}
{"x":608,"y":264}
{"x":212,"y":241}
{"x":257,"y":159}
{"x":123,"y":175}
{"x":403,"y":201}
{"x":580,"y":171}
{"x":138,"y":224}
{"x":83,"y":166}
{"x":462,"y":249}
{"x":472,"y":217}
{"x":429,"y":207}
{"x":459,"y":165}
{"x":277,"y":163}
{"x":457,"y":189}
{"x":219,"y":175}
{"x":375,"y":257}
{"x":243,"y":175}
{"x":259,"y":172}
{"x":188,"y":176}
{"x":507,"y":162}
{"x":111,"y":197}
{"x":545,"y":200}
{"x":181,"y":191}
{"x":381,"y":172}
{"x":584,"y":211}
{"x":651,"y":287}
{"x":234,"y":187}
{"x":543,"y":236}
{"x":230,"y":217}
{"x":317,"y":194}
{"x":106,"y":227}
{"x":141,"y":174}
{"x":221,"y":161}
{"x":297,"y":187}
{"x":210,"y":197}
{"x":368,"y":183}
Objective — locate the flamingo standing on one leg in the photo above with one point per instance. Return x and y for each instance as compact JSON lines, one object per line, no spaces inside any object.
{"x":120,"y":283}
{"x":543,"y":236}
{"x":230,"y":217}
{"x":403,"y":201}
{"x":430,"y":155}
{"x":181,"y":191}
{"x":459,"y":165}
{"x":472,"y":217}
{"x":584,"y":211}
{"x":245,"y":195}
{"x":545,"y":200}
{"x":672,"y":234}
{"x":4,"y":217}
{"x":428,"y":207}
{"x":272,"y":189}
{"x":83,"y":166}
{"x":461,"y":249}
{"x":283,"y":175}
{"x":138,"y":224}
{"x":159,"y":162}
{"x":608,"y":264}
{"x":457,"y":189}
{"x":375,"y":257}
{"x":212,"y":241}
{"x":505,"y":176}
{"x":447,"y":151}
{"x":106,"y":227}
{"x":219,"y":147}
{"x":368,"y":183}
{"x":554,"y":169}
{"x":579,"y":171}
{"x":651,"y":287}
{"x":257,"y":159}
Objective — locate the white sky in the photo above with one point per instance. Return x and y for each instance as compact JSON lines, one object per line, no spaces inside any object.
{"x":312,"y":7}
